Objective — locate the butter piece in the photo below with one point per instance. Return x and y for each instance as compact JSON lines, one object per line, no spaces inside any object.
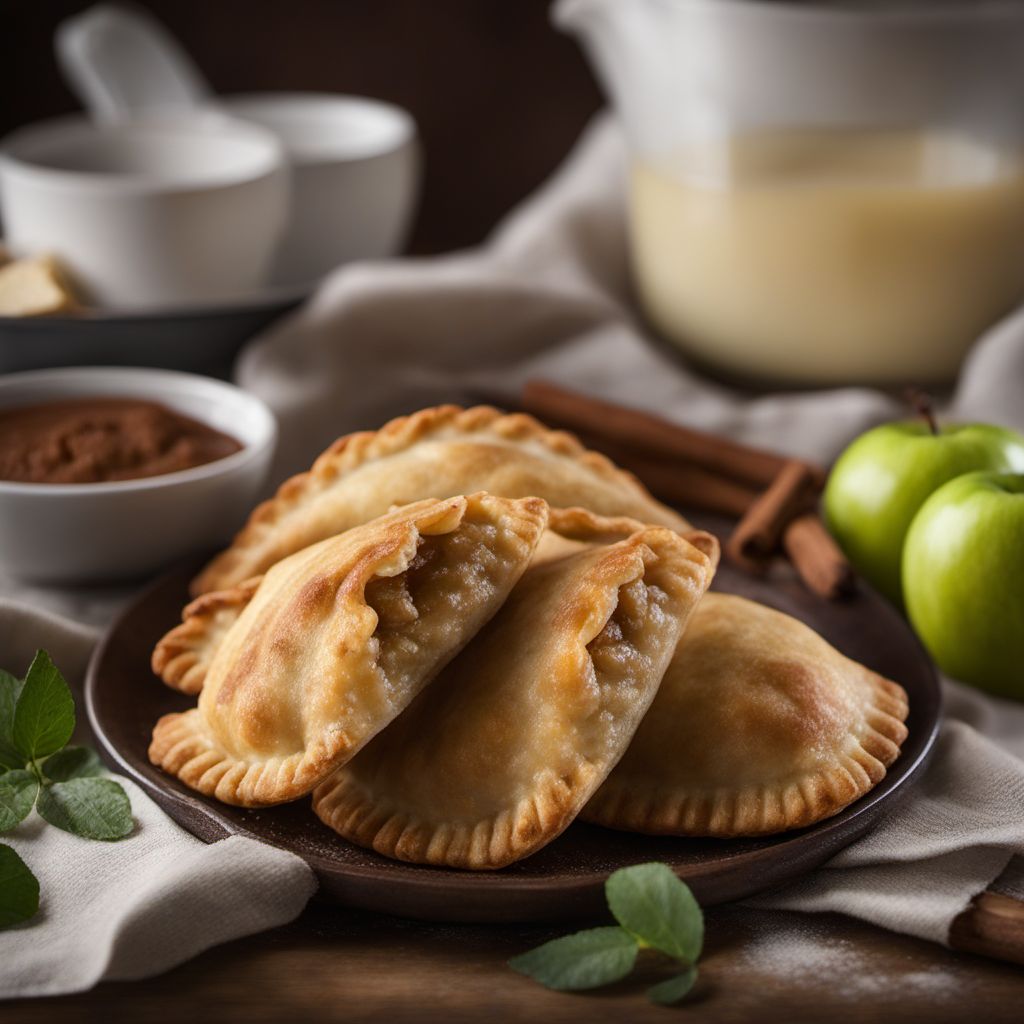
{"x":35,"y":286}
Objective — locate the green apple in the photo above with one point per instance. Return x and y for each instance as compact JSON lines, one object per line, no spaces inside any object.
{"x":878,"y":484}
{"x":963,"y":579}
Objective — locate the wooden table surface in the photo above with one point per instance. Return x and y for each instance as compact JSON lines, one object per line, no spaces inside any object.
{"x":336,"y":965}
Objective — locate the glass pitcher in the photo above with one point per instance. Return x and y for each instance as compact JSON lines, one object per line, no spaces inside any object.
{"x":821,"y":194}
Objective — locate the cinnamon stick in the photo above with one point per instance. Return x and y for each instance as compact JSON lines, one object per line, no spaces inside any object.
{"x":679,"y":483}
{"x":757,"y":534}
{"x":702,"y":471}
{"x":655,"y":435}
{"x":817,"y":558}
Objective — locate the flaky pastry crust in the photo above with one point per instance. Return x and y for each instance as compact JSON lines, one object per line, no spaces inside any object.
{"x":436,"y":452}
{"x":497,"y":757}
{"x":182,"y":657}
{"x":760,"y":726}
{"x":336,"y":640}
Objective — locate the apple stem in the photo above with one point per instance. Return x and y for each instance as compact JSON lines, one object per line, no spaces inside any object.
{"x":923,"y":406}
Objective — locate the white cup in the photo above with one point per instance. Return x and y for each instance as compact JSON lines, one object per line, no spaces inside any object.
{"x":162,"y":211}
{"x":355,"y":168}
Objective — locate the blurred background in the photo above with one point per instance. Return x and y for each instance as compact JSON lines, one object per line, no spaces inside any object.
{"x":499,"y":95}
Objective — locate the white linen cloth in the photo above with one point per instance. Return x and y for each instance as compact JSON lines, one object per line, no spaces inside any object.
{"x":548,"y":296}
{"x":136,"y":907}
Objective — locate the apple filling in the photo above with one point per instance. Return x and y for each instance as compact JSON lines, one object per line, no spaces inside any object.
{"x":623,"y":651}
{"x":424,"y":607}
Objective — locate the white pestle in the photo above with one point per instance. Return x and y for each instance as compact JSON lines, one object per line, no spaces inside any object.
{"x":122,"y":63}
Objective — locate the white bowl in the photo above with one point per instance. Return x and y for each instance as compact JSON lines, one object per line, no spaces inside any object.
{"x":83,"y":533}
{"x":355,"y":171}
{"x":158,"y":211}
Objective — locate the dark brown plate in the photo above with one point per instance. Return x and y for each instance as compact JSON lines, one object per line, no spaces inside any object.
{"x":564,"y":880}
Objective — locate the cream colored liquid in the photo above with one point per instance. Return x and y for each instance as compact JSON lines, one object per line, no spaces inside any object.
{"x":830,"y":256}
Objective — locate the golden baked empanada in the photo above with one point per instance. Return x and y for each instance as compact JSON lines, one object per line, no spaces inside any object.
{"x":497,"y":757}
{"x":759,"y":726}
{"x":434,"y":453}
{"x":182,"y":657}
{"x":337,"y":639}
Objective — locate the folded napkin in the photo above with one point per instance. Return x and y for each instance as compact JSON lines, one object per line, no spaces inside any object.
{"x":547,"y":296}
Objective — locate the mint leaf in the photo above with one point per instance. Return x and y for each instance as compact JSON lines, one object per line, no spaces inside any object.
{"x":89,"y":807}
{"x":655,"y":909}
{"x":19,"y":889}
{"x":10,"y":688}
{"x":587,"y":959}
{"x":72,"y":763}
{"x":650,"y":902}
{"x":668,"y":992}
{"x":18,"y":790}
{"x":44,"y":717}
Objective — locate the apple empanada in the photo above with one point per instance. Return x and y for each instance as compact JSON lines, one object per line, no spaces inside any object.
{"x":182,"y":657}
{"x":434,"y":453}
{"x":336,"y":640}
{"x":759,"y":726}
{"x":498,"y":755}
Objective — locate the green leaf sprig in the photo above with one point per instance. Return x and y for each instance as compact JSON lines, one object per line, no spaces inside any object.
{"x":656,"y":911}
{"x":38,"y":769}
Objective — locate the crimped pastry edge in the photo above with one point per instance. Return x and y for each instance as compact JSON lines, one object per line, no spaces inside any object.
{"x":576,"y":523}
{"x":182,"y":656}
{"x":489,"y":844}
{"x":353,"y":450}
{"x":764,"y":810}
{"x":180,"y":747}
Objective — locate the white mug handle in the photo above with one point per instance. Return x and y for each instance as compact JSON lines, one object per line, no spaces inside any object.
{"x":122,"y":63}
